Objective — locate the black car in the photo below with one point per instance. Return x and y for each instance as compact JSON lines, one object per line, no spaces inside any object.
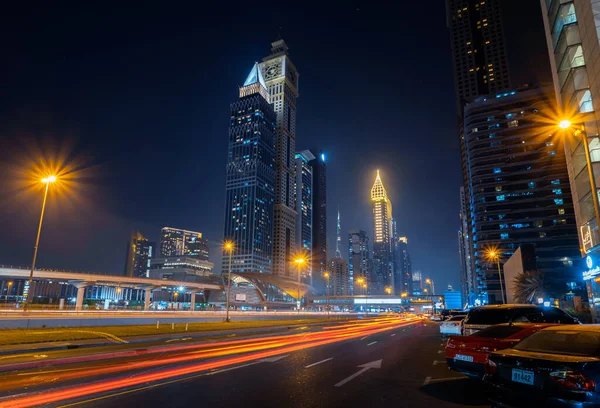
{"x":485,"y":316}
{"x":557,"y":366}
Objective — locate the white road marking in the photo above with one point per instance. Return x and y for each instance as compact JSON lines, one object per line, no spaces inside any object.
{"x":319,"y":362}
{"x":432,"y":380}
{"x":427,"y":380}
{"x":365,"y":367}
{"x":364,"y":337}
{"x":370,"y":344}
{"x":440,"y":351}
{"x":436,"y":362}
{"x":392,"y":335}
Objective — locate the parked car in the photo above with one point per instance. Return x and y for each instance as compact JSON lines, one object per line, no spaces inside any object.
{"x":461,"y":313}
{"x":452,"y":325}
{"x":558,"y":365}
{"x":435,"y":317}
{"x":469,"y":354}
{"x":486,"y":316}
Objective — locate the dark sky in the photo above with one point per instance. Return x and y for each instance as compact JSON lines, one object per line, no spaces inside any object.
{"x":137,"y":99}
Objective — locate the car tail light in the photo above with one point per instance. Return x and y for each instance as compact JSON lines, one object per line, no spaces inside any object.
{"x":485,"y":348}
{"x":450,"y":344}
{"x":572,"y":380}
{"x":490,"y":367}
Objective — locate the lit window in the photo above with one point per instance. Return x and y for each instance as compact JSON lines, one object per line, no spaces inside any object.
{"x":557,"y":181}
{"x":557,"y":191}
{"x":513,"y":123}
{"x":558,"y":201}
{"x":497,"y":170}
{"x":561,"y":211}
{"x":531,"y":184}
{"x":542,"y":234}
{"x":500,"y":197}
{"x":504,"y":235}
{"x":498,"y":188}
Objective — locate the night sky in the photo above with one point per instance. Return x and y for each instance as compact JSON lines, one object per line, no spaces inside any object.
{"x":135,"y":101}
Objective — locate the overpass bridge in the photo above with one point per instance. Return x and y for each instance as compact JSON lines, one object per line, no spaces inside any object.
{"x":116,"y":284}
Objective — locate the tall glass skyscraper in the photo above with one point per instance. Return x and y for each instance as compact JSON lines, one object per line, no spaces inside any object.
{"x":139,"y":253}
{"x":180,"y":242}
{"x":281,"y":81}
{"x":304,"y":208}
{"x":250,"y":178}
{"x":405,"y":265}
{"x":383,"y":245}
{"x":319,"y":224}
{"x":358,"y":258}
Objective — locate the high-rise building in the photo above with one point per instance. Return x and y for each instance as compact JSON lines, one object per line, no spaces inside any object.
{"x":180,"y":242}
{"x":358,"y":259}
{"x":405,"y":267}
{"x":468,"y":281}
{"x":340,"y":278}
{"x":573,"y":44}
{"x":520,"y":189}
{"x":139,"y":254}
{"x":250,"y":178}
{"x":319,"y":224}
{"x":383,"y":273}
{"x":417,"y":279}
{"x":304,"y":208}
{"x":281,"y":79}
{"x":478,"y":51}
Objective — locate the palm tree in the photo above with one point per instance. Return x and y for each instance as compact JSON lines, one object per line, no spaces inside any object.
{"x":529,"y":286}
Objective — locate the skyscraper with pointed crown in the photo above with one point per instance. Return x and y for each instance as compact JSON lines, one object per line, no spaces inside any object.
{"x":250,"y":178}
{"x":383,"y":236}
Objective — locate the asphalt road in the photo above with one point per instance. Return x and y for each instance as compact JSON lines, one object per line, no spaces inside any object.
{"x":403,"y":365}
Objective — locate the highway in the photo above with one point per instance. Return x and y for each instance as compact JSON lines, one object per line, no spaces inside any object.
{"x":370,"y":362}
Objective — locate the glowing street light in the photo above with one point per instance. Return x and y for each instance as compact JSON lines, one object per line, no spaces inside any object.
{"x":493,"y":255}
{"x":299,"y":261}
{"x":47,"y":181}
{"x":228,"y":246}
{"x":388,"y":290}
{"x":404,"y":294}
{"x":326,"y":276}
{"x":8,"y":291}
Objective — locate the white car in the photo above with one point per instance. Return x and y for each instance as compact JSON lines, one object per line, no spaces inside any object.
{"x":453,"y":325}
{"x":435,"y":317}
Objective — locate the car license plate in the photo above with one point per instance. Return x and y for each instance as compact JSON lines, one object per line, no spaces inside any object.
{"x":522,"y":376}
{"x":462,"y":357}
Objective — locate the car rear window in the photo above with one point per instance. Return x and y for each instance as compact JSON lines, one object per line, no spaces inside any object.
{"x":456,"y":318}
{"x":570,"y":342}
{"x":519,"y":314}
{"x":498,"y":332}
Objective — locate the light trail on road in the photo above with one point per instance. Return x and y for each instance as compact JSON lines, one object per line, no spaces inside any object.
{"x":229,"y":353}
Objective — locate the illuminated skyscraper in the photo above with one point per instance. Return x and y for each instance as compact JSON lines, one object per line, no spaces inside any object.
{"x":404,"y":264}
{"x":250,"y":178}
{"x":358,"y":259}
{"x":304,"y":208}
{"x":180,"y":242}
{"x":319,"y":224}
{"x":383,"y":266}
{"x":139,"y":253}
{"x":281,"y":79}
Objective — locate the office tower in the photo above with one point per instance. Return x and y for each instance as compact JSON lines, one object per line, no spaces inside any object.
{"x":573,"y":43}
{"x":319,"y":225}
{"x":338,"y":239}
{"x":405,"y":266}
{"x":468,"y":281}
{"x":304,"y":208}
{"x":139,"y":253}
{"x":250,"y":178}
{"x":478,"y":51}
{"x":180,"y":242}
{"x":417,"y":279}
{"x":281,"y":79}
{"x":521,"y":194}
{"x":340,"y":278}
{"x":358,"y":259}
{"x":382,"y":237}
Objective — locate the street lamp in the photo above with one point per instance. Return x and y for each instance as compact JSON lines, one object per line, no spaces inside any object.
{"x":46,"y":180}
{"x":566,"y":124}
{"x":8,"y":292}
{"x":228,"y":246}
{"x":299,"y":261}
{"x":388,"y":290}
{"x":430,"y":281}
{"x":326,"y":276}
{"x":366,"y":289}
{"x":495,"y":255}
{"x":404,"y":294}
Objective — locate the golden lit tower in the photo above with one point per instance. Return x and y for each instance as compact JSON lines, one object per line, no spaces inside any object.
{"x":382,"y":236}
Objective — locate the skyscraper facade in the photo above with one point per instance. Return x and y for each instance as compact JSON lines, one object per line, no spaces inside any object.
{"x":340,"y":278}
{"x":281,"y":79}
{"x":405,"y":267}
{"x":520,"y":189}
{"x":417,"y":287}
{"x":573,"y":44}
{"x":250,"y":178}
{"x":180,"y":242}
{"x":468,"y":279}
{"x":138,"y":256}
{"x":383,"y":267}
{"x":358,"y":259}
{"x":304,"y":208}
{"x":319,"y":225}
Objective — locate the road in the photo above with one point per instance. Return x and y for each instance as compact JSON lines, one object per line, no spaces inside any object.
{"x":371,"y":363}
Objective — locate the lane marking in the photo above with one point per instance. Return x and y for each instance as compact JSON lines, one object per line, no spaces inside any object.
{"x":319,"y":362}
{"x":440,"y":351}
{"x":436,"y":362}
{"x":365,"y":367}
{"x":364,"y":337}
{"x":370,"y":344}
{"x":392,"y":335}
{"x":427,"y":380}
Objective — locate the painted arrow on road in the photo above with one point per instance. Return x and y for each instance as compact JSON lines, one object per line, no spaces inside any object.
{"x":364,"y":367}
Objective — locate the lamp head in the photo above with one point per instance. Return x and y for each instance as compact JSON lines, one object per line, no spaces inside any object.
{"x":564,"y":124}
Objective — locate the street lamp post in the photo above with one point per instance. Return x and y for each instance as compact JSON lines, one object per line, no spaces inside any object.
{"x":566,"y":124}
{"x":388,"y":290}
{"x":8,"y":292}
{"x":228,"y":247}
{"x":326,"y":276}
{"x":366,"y":289}
{"x":495,"y":255}
{"x":299,"y":262}
{"x":47,"y":181}
{"x":432,"y":283}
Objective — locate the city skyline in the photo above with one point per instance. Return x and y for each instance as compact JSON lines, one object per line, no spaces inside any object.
{"x":100,"y":214}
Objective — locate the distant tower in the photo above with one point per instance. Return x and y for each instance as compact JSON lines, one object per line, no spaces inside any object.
{"x":304,"y":208}
{"x":319,"y":221}
{"x":139,"y":253}
{"x":358,"y":259}
{"x":281,"y":80}
{"x":382,"y":238}
{"x":338,"y":241}
{"x":250,"y":178}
